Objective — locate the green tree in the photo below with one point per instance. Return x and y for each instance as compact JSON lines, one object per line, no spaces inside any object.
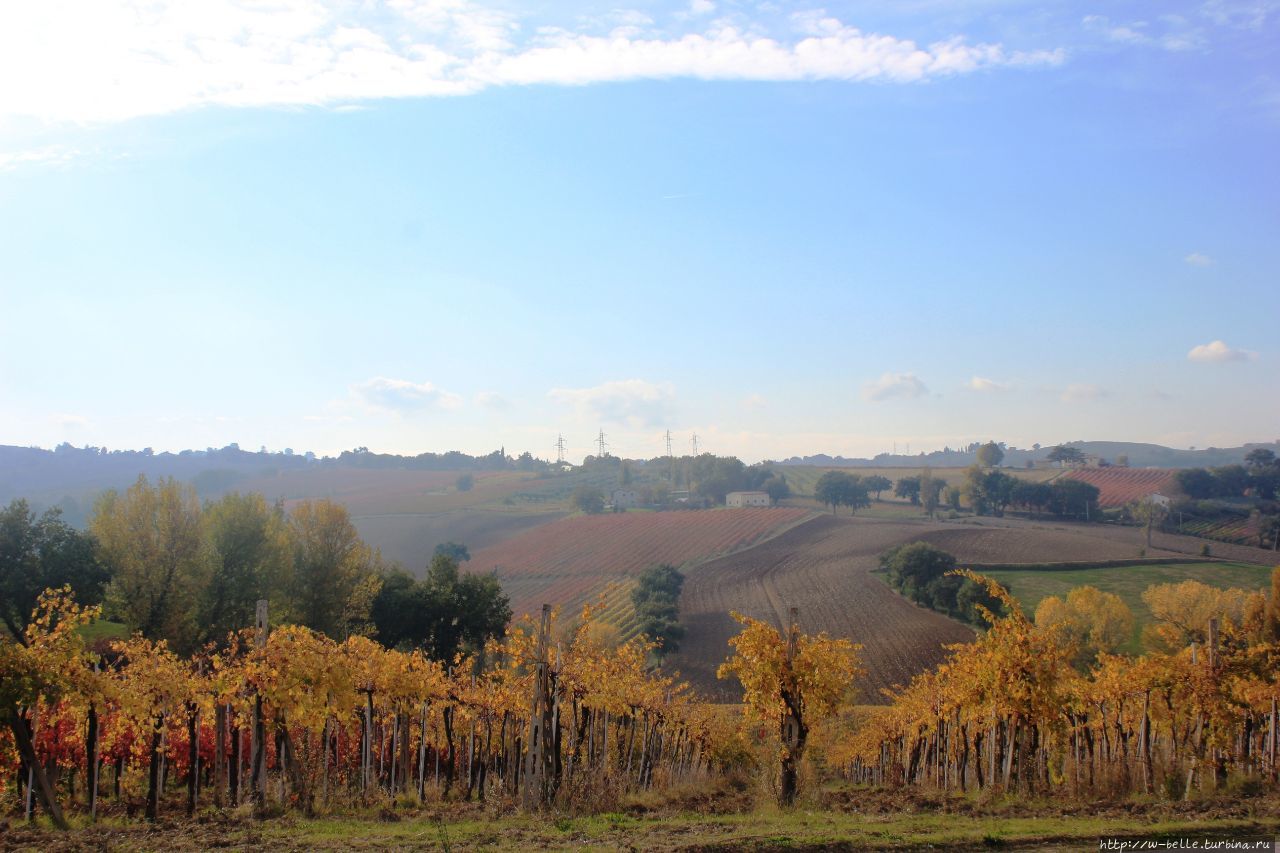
{"x":1074,"y":498}
{"x":1231,"y":481}
{"x":930,"y":491}
{"x":153,"y":542}
{"x":39,"y":553}
{"x":924,"y":573}
{"x":462,"y":610}
{"x":1149,"y":514}
{"x":876,"y":484}
{"x":446,"y":612}
{"x":1066,"y":455}
{"x":1195,"y":483}
{"x":838,"y":488}
{"x":776,"y":488}
{"x":1031,"y":496}
{"x":656,"y":599}
{"x":909,"y":488}
{"x":1264,"y":472}
{"x":335,"y":574}
{"x":588,"y":499}
{"x":990,"y":455}
{"x":913,"y":568}
{"x":250,"y":558}
{"x":990,"y":491}
{"x":465,"y":482}
{"x":455,"y":551}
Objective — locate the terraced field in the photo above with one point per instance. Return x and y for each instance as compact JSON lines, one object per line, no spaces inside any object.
{"x":576,"y":560}
{"x":1119,"y":486}
{"x":823,"y":567}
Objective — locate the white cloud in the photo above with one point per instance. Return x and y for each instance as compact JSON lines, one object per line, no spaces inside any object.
{"x":754,"y":401}
{"x":701,"y":7}
{"x":492,"y":400}
{"x":72,"y":421}
{"x":1081,"y":393}
{"x":986,"y":386}
{"x":1218,"y":351}
{"x":892,"y":385}
{"x":401,"y":395}
{"x":118,"y":59}
{"x":1196,"y":259}
{"x":49,"y":155}
{"x":634,"y":402}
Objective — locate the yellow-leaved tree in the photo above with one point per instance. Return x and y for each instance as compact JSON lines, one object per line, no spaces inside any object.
{"x":793,"y":681}
{"x":1183,"y":610}
{"x":1089,"y":622}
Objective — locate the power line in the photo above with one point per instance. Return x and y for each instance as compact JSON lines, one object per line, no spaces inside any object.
{"x":671,"y":463}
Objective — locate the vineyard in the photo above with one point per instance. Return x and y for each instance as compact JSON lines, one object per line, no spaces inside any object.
{"x":290,"y":719}
{"x":1238,"y":530}
{"x":548,"y":718}
{"x":1120,"y":486}
{"x":575,"y":560}
{"x":1010,"y":713}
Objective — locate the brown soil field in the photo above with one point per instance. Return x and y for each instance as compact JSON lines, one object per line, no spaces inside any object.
{"x":1082,"y":541}
{"x":410,"y":538}
{"x":823,"y":567}
{"x":1026,"y":543}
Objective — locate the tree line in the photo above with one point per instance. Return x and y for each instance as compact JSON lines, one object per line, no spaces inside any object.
{"x":173,"y":568}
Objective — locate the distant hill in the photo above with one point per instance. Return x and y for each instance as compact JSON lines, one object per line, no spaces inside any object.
{"x":71,"y":477}
{"x":1140,"y":456}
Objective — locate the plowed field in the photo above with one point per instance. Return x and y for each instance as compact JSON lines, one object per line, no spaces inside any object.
{"x":823,"y":567}
{"x":576,"y":559}
{"x":1119,"y":486}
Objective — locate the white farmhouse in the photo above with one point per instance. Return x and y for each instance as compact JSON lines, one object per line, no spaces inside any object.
{"x":740,"y":499}
{"x":625,"y":498}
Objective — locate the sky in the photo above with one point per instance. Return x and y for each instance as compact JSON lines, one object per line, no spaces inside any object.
{"x":787,"y":229}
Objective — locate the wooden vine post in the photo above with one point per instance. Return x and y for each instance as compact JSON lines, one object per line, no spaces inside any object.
{"x":258,"y":747}
{"x":793,"y":731}
{"x":37,"y":781}
{"x":538,"y":758}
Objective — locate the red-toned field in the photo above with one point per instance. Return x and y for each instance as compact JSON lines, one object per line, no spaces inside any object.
{"x":567,"y":562}
{"x":1119,"y":486}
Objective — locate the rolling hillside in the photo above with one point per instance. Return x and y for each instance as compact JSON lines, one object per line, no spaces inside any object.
{"x":575,"y":560}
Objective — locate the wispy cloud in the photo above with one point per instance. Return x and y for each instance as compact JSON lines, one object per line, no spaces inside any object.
{"x":1170,"y":32}
{"x":1218,"y":352}
{"x":986,"y":386}
{"x":492,"y":400}
{"x":1083,"y":393}
{"x":49,"y":155}
{"x":634,"y":402}
{"x":113,"y":59}
{"x":754,"y":401}
{"x":891,"y":385}
{"x":1196,"y":259}
{"x":403,"y":396}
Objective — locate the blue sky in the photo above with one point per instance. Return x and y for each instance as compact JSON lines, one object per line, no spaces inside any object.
{"x":790,"y":229}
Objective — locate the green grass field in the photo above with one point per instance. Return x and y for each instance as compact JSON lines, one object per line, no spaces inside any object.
{"x":868,"y":820}
{"x":1029,"y":586}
